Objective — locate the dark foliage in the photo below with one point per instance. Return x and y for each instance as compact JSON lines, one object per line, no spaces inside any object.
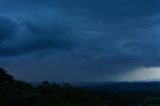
{"x":19,"y":93}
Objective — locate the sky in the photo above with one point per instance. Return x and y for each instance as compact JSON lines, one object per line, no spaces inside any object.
{"x":80,"y":40}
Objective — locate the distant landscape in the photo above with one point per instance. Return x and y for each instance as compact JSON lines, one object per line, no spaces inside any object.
{"x":79,"y":52}
{"x":19,"y":93}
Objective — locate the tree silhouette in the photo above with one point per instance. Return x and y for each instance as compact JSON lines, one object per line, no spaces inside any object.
{"x":5,"y":78}
{"x":20,"y":93}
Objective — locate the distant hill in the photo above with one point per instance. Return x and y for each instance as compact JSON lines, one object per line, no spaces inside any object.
{"x":152,"y":86}
{"x":156,"y":79}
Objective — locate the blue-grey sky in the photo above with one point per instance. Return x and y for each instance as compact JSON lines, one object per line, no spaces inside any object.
{"x":80,"y":40}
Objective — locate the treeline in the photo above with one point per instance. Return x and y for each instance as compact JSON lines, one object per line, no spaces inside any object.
{"x":19,"y":93}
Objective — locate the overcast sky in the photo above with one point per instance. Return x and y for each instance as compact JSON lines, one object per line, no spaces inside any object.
{"x":80,"y":40}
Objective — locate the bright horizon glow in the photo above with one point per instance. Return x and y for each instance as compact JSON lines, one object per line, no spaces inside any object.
{"x":142,"y":74}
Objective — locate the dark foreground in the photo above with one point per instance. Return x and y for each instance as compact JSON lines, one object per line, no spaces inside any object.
{"x":19,"y":93}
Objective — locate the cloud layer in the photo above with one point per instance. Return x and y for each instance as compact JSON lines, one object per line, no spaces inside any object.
{"x":7,"y":29}
{"x":28,"y":36}
{"x":102,"y":38}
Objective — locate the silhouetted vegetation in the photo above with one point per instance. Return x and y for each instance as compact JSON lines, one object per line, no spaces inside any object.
{"x":19,"y":93}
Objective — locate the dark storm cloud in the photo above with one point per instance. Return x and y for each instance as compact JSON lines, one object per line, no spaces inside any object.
{"x":7,"y":29}
{"x":36,"y":37}
{"x":111,"y":34}
{"x":117,"y":34}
